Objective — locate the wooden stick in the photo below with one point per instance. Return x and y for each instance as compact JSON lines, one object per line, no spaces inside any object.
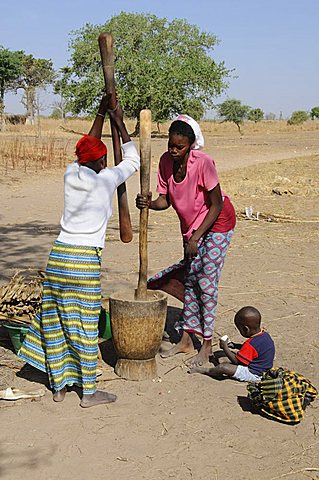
{"x":294,"y":472}
{"x":145,"y":151}
{"x":106,"y":50}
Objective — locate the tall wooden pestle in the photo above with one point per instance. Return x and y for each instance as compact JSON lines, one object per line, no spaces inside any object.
{"x":107,"y":57}
{"x":145,"y":152}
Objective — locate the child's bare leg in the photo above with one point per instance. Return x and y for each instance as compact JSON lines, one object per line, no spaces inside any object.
{"x":185,"y":345}
{"x":203,"y":355}
{"x":227,"y":369}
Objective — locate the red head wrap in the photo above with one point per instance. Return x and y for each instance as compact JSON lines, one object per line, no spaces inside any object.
{"x":89,"y":149}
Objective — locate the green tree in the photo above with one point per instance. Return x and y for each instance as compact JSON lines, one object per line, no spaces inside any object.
{"x":232,"y":110}
{"x":36,"y":73}
{"x":162,"y":65}
{"x":314,"y":113}
{"x":10,"y":69}
{"x":61,"y":90}
{"x":255,"y":115}
{"x":298,"y":117}
{"x":56,"y":113}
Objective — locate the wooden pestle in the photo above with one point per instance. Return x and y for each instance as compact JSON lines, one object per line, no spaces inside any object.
{"x":145,"y":152}
{"x":106,"y":51}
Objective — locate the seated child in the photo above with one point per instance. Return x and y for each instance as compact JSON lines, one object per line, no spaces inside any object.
{"x":256,"y":355}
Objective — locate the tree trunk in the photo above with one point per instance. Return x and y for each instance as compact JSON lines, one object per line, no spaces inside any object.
{"x":38,"y":121}
{"x":29,"y":92}
{"x":2,"y":119}
{"x":136,"y":130}
{"x":238,"y":126}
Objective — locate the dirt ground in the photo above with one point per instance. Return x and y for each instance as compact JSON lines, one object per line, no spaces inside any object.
{"x":179,"y":426}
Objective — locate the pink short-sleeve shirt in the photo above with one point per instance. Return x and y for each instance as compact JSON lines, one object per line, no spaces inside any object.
{"x":189,"y":197}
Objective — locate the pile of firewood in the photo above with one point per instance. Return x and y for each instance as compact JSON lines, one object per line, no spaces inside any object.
{"x":21,"y":297}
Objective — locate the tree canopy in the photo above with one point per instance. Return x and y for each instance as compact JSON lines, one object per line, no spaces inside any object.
{"x":10,"y":69}
{"x":35,"y":73}
{"x":314,"y":113}
{"x":255,"y":115}
{"x":298,"y":117}
{"x":20,"y":70}
{"x":233,"y":110}
{"x":162,"y":65}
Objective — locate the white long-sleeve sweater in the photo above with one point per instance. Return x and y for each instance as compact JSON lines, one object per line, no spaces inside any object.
{"x":88,"y":199}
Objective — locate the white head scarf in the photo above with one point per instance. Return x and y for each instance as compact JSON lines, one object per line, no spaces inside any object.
{"x":199,"y":139}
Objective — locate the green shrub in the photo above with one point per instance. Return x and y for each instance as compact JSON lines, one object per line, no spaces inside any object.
{"x":255,"y":115}
{"x":298,"y":117}
{"x":314,"y":113}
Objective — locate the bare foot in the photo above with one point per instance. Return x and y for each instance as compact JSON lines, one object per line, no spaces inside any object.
{"x":59,"y":395}
{"x":202,"y":356}
{"x":98,"y":398}
{"x":185,"y":345}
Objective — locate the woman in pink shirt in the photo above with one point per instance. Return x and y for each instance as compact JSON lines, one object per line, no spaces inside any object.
{"x":188,"y":180}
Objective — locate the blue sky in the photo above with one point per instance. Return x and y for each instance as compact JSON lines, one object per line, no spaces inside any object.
{"x":271,"y":44}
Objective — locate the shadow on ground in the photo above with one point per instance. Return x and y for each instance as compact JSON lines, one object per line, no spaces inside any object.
{"x":17,"y":251}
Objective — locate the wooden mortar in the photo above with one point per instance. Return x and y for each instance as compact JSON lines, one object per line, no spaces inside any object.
{"x":138,"y":318}
{"x":137,"y":331}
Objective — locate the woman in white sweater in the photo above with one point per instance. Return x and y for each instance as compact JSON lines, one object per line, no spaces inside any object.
{"x":63,"y":338}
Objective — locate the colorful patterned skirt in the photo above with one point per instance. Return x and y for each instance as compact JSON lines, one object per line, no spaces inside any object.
{"x":63,"y":337}
{"x":196,"y":284}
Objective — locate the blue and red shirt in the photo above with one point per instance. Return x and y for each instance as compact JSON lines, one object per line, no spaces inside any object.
{"x":257,"y":353}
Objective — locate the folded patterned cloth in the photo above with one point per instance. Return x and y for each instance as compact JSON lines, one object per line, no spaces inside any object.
{"x":282,"y":395}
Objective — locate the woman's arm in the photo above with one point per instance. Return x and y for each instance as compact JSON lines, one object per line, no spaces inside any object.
{"x":97,"y":127}
{"x":117,"y":117}
{"x":160,"y":203}
{"x":216,"y":204}
{"x":131,"y":160}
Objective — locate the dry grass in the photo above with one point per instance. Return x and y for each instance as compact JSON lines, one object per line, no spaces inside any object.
{"x":297,"y":176}
{"x":30,"y":148}
{"x":264,"y":127}
{"x":21,"y":146}
{"x":27,"y":153}
{"x":56,"y":127}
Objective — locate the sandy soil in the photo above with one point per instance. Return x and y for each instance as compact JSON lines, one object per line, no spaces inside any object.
{"x":179,"y":425}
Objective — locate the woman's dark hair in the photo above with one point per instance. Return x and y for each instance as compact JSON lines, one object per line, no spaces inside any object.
{"x":182,"y":128}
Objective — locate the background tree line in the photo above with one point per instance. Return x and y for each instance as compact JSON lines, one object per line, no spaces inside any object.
{"x":163,"y":65}
{"x":19,"y":70}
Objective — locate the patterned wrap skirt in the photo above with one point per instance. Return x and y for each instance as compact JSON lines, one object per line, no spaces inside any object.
{"x":63,"y":337}
{"x":196,"y":284}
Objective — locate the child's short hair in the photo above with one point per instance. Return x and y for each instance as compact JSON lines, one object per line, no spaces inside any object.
{"x":249,"y":313}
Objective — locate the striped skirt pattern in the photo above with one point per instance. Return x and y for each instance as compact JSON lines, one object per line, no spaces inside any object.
{"x":63,"y":337}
